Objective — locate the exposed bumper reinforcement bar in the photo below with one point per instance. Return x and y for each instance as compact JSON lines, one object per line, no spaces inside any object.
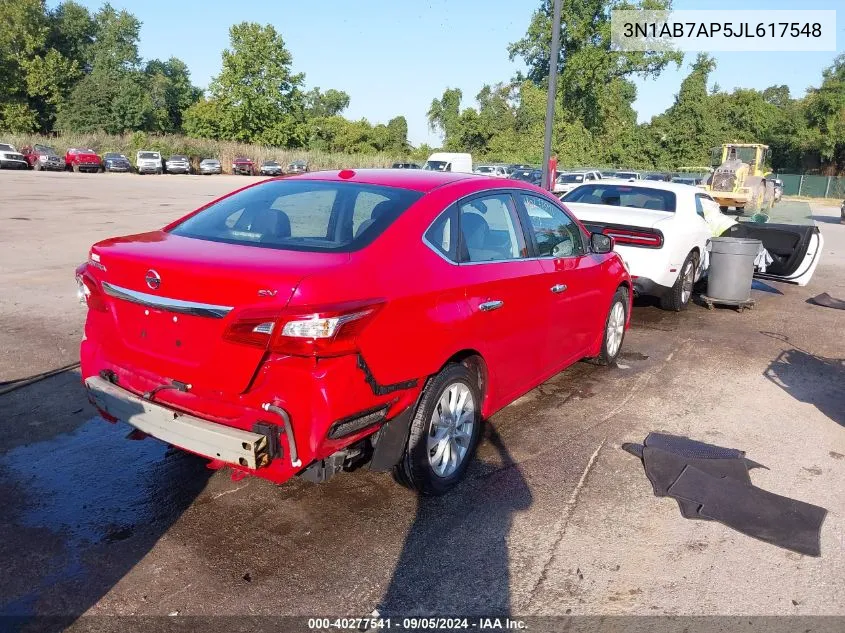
{"x":212,"y":440}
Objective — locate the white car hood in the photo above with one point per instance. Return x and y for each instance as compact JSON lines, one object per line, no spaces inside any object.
{"x":607,"y":214}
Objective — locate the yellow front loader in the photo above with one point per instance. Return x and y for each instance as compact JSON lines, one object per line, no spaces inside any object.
{"x":740,"y":178}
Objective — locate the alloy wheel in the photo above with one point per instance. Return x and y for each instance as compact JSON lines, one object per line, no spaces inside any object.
{"x":451,"y":429}
{"x":615,"y":328}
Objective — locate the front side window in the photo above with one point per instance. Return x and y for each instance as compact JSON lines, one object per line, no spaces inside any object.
{"x":301,"y":215}
{"x":490,"y":230}
{"x":555,"y":233}
{"x":633,"y":196}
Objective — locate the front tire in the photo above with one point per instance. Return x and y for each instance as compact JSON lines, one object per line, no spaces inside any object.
{"x":679,"y":296}
{"x":444,"y":433}
{"x":614,"y":328}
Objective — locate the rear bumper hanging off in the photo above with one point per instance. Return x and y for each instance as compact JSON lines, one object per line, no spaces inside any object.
{"x":212,"y":440}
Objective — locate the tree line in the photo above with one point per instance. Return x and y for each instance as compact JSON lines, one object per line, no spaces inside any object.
{"x":596,"y":124}
{"x":71,"y":70}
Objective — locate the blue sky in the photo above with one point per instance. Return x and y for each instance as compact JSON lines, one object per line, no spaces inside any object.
{"x":394,"y":56}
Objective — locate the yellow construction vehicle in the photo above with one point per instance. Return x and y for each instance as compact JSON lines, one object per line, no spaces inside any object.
{"x":739,"y":177}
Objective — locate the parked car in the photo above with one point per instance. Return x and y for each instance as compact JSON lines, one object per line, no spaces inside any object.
{"x":83,"y":159}
{"x":534,"y":176}
{"x":660,"y":231}
{"x":628,"y":175}
{"x":270,"y":168}
{"x":693,"y":181}
{"x":148,"y":162}
{"x":243,"y":166}
{"x":496,"y":171}
{"x":519,"y":167}
{"x":567,"y":181}
{"x":10,"y":158}
{"x":449,"y":161}
{"x":115,"y":162}
{"x":297,"y":167}
{"x":266,"y":332}
{"x":178,"y":164}
{"x":210,"y":166}
{"x":405,"y":166}
{"x":42,"y":157}
{"x":778,"y":183}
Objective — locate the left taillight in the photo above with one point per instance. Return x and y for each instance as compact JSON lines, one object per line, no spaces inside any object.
{"x":88,"y":291}
{"x":635,"y":237}
{"x":328,"y":330}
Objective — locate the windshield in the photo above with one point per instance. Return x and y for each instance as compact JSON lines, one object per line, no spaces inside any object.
{"x":485,"y":170}
{"x":6,"y":148}
{"x":44,"y":149}
{"x":303,"y":215}
{"x":210,"y":161}
{"x":270,"y":163}
{"x":437,"y":165}
{"x":82,"y":151}
{"x":570,"y":178}
{"x":149,"y":155}
{"x":626,"y":174}
{"x":623,"y":196}
{"x":177,"y":157}
{"x":113,"y":155}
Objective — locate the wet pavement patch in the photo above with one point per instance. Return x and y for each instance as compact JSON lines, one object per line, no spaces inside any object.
{"x":93,"y":506}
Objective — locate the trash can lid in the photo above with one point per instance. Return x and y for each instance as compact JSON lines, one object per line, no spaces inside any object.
{"x":735,"y":245}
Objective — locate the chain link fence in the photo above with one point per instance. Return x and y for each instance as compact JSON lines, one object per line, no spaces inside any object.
{"x":812,"y":186}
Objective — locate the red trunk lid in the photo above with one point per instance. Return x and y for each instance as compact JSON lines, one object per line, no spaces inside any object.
{"x":190,"y":348}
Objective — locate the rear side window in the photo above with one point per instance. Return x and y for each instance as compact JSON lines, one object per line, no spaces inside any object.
{"x":301,"y":215}
{"x":623,"y":196}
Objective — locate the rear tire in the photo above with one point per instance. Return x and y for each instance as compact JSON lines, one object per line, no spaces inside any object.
{"x":444,"y":433}
{"x":679,"y":296}
{"x":614,"y":328}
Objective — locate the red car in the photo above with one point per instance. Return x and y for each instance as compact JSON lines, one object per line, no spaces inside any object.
{"x":314,"y":323}
{"x":42,"y":157}
{"x":83,"y":160}
{"x":243,"y":166}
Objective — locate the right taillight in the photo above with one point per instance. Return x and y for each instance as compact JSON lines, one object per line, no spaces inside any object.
{"x":327,"y":330}
{"x":631,"y":237}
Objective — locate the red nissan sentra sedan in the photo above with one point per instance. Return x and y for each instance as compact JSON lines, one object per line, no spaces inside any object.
{"x":312,"y":324}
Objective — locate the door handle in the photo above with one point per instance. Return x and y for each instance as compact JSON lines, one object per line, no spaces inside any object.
{"x":488,"y":306}
{"x":558,"y":288}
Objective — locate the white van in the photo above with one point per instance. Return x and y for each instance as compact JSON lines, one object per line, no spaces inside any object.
{"x":449,"y":161}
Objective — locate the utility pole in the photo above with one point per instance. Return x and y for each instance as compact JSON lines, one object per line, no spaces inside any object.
{"x":550,"y":99}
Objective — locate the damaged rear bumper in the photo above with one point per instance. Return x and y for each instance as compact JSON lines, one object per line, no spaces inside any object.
{"x":209,"y":439}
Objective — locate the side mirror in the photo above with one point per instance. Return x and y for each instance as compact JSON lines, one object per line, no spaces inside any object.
{"x":601,"y":243}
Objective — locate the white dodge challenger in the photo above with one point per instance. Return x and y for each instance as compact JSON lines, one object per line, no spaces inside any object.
{"x":662,"y":230}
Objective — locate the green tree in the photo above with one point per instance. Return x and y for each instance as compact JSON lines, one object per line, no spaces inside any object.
{"x":590,"y":72}
{"x":258,"y":94}
{"x":324,"y":104}
{"x":444,"y":115}
{"x":171,"y":93}
{"x":825,"y":108}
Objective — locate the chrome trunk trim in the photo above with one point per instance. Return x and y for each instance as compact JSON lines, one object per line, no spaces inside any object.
{"x":164,"y":303}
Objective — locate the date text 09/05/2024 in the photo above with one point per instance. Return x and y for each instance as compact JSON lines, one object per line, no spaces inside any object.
{"x":722,"y":29}
{"x":416,"y":624}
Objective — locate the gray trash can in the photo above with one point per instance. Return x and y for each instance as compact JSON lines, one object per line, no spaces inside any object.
{"x":731,"y":268}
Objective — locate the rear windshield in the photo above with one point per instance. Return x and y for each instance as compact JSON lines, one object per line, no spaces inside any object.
{"x":627,"y":174}
{"x":623,"y":196}
{"x":301,"y":215}
{"x":437,"y":165}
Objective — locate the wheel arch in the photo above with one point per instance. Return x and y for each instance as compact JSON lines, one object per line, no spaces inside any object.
{"x":473,"y":360}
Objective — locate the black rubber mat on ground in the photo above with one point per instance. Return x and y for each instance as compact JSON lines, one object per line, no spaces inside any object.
{"x":712,"y":483}
{"x":662,"y":469}
{"x":778,"y":520}
{"x":827,"y":301}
